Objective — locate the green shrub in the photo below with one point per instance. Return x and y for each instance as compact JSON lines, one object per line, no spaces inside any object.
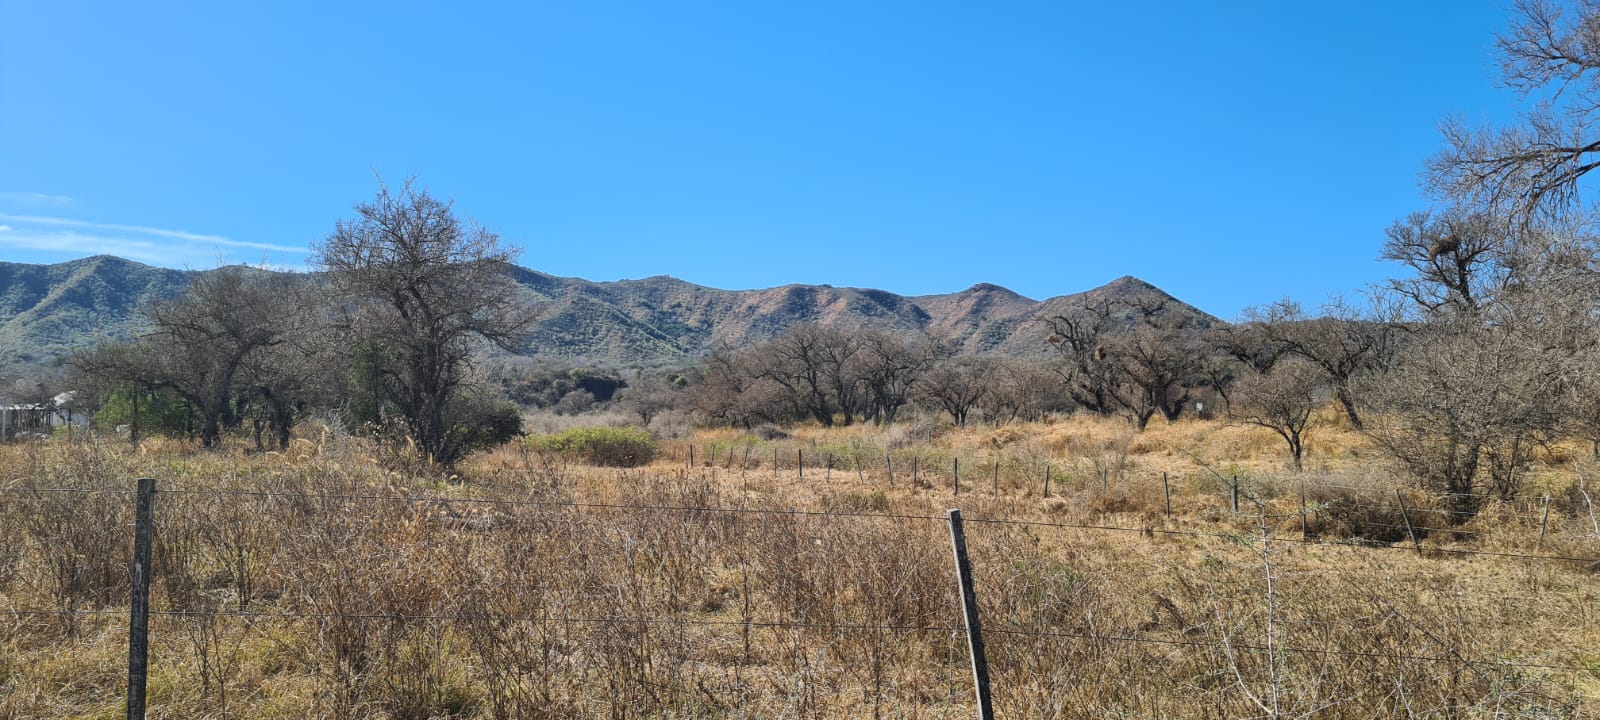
{"x":159,"y":413}
{"x":487,"y":426}
{"x":609,"y":446}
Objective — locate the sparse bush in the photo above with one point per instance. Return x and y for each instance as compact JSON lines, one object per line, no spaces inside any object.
{"x":574,"y":403}
{"x":607,"y":446}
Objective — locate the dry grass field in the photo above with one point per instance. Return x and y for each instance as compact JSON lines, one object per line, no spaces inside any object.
{"x":326,"y":583}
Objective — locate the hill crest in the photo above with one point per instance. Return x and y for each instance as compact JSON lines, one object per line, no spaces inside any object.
{"x":48,"y":310}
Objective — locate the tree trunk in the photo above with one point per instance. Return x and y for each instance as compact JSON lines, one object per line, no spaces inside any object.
{"x":1342,"y":393}
{"x":211,"y":431}
{"x":133,"y":426}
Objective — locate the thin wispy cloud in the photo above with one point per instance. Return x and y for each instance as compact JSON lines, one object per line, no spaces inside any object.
{"x":74,"y":243}
{"x":35,"y":198}
{"x":143,"y":230}
{"x":61,"y":238}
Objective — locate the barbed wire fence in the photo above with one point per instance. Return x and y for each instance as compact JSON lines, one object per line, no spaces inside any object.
{"x":145,"y":495}
{"x":999,"y":474}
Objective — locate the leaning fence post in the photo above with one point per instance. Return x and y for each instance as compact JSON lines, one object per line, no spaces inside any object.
{"x":969,"y":614}
{"x":139,"y":606}
{"x":1406,"y":516}
{"x":1544,"y":522}
{"x":1166,"y":493}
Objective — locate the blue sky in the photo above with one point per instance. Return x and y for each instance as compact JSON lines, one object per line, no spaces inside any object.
{"x":1231,"y":153}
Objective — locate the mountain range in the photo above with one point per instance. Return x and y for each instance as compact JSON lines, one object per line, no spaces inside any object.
{"x":47,"y":311}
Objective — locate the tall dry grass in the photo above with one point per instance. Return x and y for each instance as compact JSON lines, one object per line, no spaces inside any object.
{"x":314,"y":584}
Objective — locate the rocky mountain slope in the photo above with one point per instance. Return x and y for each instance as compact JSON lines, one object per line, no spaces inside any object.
{"x":47,"y":310}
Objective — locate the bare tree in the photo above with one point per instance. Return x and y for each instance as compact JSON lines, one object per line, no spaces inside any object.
{"x":1493,"y":362}
{"x":1469,"y":403}
{"x":1078,"y":336}
{"x":890,"y":368}
{"x":958,"y":385}
{"x":1023,"y":389}
{"x":812,"y":364}
{"x":307,"y":368}
{"x":424,"y":286}
{"x":650,"y":395}
{"x":199,"y":343}
{"x":842,"y":372}
{"x":1139,"y":355}
{"x":1281,"y":399}
{"x":729,"y":387}
{"x":1459,"y":259}
{"x":1343,"y":341}
{"x":1532,"y":170}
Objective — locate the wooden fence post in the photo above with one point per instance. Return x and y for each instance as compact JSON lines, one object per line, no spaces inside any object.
{"x":969,"y":615}
{"x":800,"y":463}
{"x":888,"y":462}
{"x":955,"y":475}
{"x":1407,"y":517}
{"x":139,"y":606}
{"x":1544,"y":522}
{"x":1305,"y":529}
{"x":1235,"y":495}
{"x":1047,"y":478}
{"x":1166,"y":493}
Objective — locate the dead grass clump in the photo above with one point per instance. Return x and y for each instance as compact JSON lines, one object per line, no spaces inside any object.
{"x":1121,"y":500}
{"x":1345,"y":513}
{"x":858,"y":502}
{"x":80,"y":557}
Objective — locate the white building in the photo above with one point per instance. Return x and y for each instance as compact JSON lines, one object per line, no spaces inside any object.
{"x":40,"y":418}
